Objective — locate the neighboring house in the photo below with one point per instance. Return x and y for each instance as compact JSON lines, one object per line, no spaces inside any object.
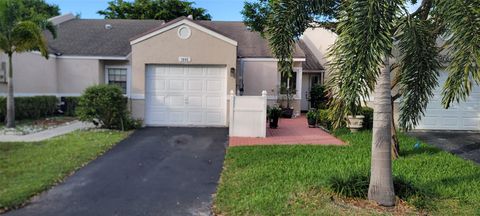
{"x":175,"y":74}
{"x":179,"y":73}
{"x":460,"y":116}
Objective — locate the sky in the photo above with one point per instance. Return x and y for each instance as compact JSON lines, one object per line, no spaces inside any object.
{"x":226,"y":10}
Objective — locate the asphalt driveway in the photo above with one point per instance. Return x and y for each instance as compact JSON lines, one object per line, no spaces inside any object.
{"x":461,"y":143}
{"x":156,"y":171}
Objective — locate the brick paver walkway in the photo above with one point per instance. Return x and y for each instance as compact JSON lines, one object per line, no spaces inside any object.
{"x":290,"y":132}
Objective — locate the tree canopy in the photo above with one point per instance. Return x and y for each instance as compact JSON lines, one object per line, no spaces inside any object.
{"x":153,"y":9}
{"x":41,"y":7}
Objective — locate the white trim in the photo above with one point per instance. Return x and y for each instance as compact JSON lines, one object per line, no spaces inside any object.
{"x":129,"y":75}
{"x":44,"y":94}
{"x":184,"y":22}
{"x":299,"y":71}
{"x":189,"y":32}
{"x":269,"y":59}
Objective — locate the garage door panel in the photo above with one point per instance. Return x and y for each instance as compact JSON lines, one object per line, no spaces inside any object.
{"x":214,"y":85}
{"x":215,"y":72}
{"x":460,"y":116}
{"x":176,"y":101}
{"x":176,"y":117}
{"x":196,"y":72}
{"x":214,"y":117}
{"x":176,"y":85}
{"x":214,"y":102}
{"x":157,"y":101}
{"x":186,"y":96}
{"x":195,"y":85}
{"x":175,"y":71}
{"x":195,"y":117}
{"x":195,"y":101}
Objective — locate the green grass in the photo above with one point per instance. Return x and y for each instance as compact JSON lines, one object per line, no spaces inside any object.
{"x":29,"y":168}
{"x":296,"y":180}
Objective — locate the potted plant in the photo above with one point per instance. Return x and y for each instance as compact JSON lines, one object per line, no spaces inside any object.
{"x":355,"y":122}
{"x":287,"y":96}
{"x":312,"y":118}
{"x":273,"y":114}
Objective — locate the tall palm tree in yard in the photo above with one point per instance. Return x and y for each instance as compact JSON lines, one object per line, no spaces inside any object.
{"x":379,"y":40}
{"x":21,"y":30}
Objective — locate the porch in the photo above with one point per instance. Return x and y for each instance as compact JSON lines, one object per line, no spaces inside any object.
{"x":289,"y":132}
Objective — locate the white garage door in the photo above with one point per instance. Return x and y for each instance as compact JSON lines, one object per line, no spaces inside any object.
{"x":460,"y":116}
{"x":185,"y":95}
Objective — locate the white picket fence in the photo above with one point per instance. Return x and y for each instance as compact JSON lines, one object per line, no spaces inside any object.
{"x":248,"y":115}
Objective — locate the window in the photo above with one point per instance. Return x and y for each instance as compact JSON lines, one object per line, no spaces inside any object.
{"x":117,"y":76}
{"x":287,"y":82}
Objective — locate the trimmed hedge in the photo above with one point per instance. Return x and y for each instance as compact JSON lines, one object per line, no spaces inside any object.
{"x":30,"y":107}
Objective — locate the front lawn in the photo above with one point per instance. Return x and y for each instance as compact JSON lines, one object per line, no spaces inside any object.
{"x":297,"y":180}
{"x":29,"y":168}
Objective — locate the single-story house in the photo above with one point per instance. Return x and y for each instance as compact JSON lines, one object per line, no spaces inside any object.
{"x":180,"y":73}
{"x":177,"y":73}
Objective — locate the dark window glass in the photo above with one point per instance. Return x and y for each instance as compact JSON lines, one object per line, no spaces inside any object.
{"x":118,"y":76}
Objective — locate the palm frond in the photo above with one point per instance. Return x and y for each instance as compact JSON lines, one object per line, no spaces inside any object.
{"x":365,"y":38}
{"x":418,"y":69}
{"x":288,"y":20}
{"x":462,"y":22}
{"x":28,"y":36}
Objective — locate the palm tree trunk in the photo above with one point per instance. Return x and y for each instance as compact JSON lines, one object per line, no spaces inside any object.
{"x":381,"y":180}
{"x":395,"y":142}
{"x":10,"y":96}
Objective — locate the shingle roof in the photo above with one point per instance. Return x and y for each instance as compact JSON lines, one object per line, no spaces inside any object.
{"x":250,"y":44}
{"x":89,"y":37}
{"x":311,"y":62}
{"x":86,"y":37}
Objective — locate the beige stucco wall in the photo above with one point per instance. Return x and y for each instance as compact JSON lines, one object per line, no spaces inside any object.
{"x":74,"y":75}
{"x":167,"y":47}
{"x":259,"y":76}
{"x":319,"y":40}
{"x":32,"y":74}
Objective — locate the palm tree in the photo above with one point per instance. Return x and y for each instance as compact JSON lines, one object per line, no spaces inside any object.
{"x":21,"y":30}
{"x":380,"y":39}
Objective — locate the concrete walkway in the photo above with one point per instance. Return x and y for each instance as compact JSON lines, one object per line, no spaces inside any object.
{"x":46,"y":134}
{"x":290,"y":132}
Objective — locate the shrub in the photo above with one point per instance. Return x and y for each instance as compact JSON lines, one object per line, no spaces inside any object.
{"x":274,"y":112}
{"x":318,"y":97}
{"x":105,"y":106}
{"x":368,"y":120}
{"x":323,"y":119}
{"x":312,"y":114}
{"x":70,"y":105}
{"x":30,"y":107}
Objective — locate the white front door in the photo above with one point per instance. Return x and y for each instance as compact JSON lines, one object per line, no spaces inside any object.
{"x":178,"y":95}
{"x":460,"y":116}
